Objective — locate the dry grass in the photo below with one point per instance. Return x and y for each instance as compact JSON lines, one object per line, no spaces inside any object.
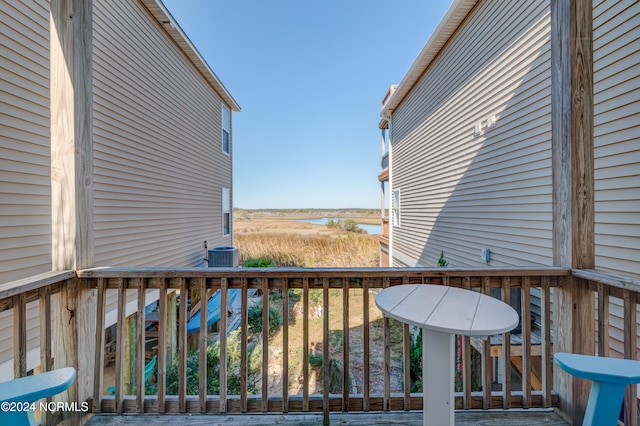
{"x":303,"y":245}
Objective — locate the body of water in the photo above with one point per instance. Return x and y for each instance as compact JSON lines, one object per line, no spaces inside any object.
{"x":371,"y":229}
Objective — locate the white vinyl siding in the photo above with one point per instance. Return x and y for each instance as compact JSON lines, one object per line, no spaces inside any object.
{"x":617,"y":135}
{"x":462,"y":193}
{"x":158,"y":166}
{"x":616,"y":45}
{"x":25,"y":170}
{"x":25,"y":165}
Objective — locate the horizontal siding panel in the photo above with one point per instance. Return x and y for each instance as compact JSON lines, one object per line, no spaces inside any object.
{"x":613,"y":67}
{"x":25,"y":213}
{"x":617,"y":147}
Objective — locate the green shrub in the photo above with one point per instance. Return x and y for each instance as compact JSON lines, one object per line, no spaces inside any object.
{"x":336,"y":370}
{"x":255,"y":318}
{"x":333,"y":224}
{"x":315,"y":359}
{"x":259,"y":263}
{"x":213,"y":370}
{"x":348,"y":225}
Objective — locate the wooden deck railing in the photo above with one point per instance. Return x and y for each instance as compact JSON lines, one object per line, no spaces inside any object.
{"x":347,"y":318}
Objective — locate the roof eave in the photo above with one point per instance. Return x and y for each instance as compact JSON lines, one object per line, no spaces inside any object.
{"x":170,"y":25}
{"x":448,"y":25}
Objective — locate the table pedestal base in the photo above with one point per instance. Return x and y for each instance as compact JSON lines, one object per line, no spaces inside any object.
{"x":437,"y":378}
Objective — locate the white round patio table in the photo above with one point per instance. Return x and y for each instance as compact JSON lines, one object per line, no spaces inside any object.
{"x":443,"y":312}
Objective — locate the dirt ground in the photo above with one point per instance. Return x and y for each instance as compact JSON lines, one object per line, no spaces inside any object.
{"x":356,"y":340}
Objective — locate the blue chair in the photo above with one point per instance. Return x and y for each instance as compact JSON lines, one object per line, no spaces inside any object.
{"x":610,"y":378}
{"x":148,"y":370}
{"x":25,"y":390}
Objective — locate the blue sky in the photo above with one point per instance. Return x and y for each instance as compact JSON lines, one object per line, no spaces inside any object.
{"x":309,"y":76}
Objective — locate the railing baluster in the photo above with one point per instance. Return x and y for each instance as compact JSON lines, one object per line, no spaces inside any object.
{"x":325,"y":351}
{"x":603,"y":320}
{"x":46,"y":360}
{"x":182,"y":347}
{"x":506,"y":350}
{"x":406,"y":359}
{"x":285,"y":346}
{"x":203,"y":344}
{"x":244,"y":337}
{"x":223,"y":344}
{"x":386,"y":339}
{"x":162,"y":346}
{"x":630,"y":349}
{"x":466,"y":362}
{"x":100,"y":338}
{"x":305,"y":344}
{"x":345,"y":345}
{"x":140,"y":344}
{"x":367,"y":348}
{"x":547,"y":352}
{"x":486,"y":356}
{"x":120,"y":339}
{"x":526,"y":341}
{"x":265,"y":344}
{"x":19,"y":335}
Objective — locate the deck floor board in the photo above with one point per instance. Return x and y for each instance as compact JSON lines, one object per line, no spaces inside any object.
{"x":463,"y":418}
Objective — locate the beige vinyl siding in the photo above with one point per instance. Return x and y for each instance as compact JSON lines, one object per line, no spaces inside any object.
{"x":616,"y":34}
{"x":462,"y":193}
{"x":25,"y":214}
{"x":159,"y":166}
{"x":617,"y":135}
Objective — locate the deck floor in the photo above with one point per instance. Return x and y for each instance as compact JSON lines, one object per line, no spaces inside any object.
{"x":466,"y":418}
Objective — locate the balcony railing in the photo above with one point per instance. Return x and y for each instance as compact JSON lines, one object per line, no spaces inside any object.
{"x":335,"y":311}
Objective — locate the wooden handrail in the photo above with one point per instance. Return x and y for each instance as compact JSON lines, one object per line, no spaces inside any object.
{"x":168,"y":273}
{"x":33,"y":283}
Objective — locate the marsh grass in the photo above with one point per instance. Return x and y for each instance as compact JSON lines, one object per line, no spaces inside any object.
{"x":292,"y":250}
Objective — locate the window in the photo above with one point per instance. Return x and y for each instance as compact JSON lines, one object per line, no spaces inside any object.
{"x":396,"y":207}
{"x":226,"y":211}
{"x":226,"y":130}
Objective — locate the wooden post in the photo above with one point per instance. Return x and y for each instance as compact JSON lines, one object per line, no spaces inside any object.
{"x":73,"y":308}
{"x":71,"y":134}
{"x":573,"y":188}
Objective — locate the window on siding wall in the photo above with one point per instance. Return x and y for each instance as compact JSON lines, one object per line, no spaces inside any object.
{"x":226,"y":130}
{"x":226,"y":211}
{"x":396,"y":207}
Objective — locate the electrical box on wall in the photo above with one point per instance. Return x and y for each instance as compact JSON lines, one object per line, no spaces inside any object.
{"x":485,"y":255}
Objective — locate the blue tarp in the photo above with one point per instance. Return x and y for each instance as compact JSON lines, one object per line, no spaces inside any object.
{"x":213,"y":310}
